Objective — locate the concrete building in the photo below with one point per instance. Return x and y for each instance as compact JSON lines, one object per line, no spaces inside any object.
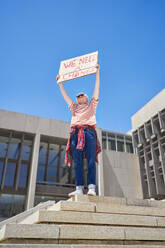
{"x":32,"y":151}
{"x":32,"y":166}
{"x":149,"y":140}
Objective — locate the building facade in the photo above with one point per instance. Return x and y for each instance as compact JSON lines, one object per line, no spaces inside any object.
{"x":149,"y":140}
{"x":32,"y":168}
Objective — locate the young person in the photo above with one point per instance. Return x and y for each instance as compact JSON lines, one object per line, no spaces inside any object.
{"x":83,"y":139}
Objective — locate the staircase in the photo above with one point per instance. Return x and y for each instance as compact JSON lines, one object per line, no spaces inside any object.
{"x":88,"y":221}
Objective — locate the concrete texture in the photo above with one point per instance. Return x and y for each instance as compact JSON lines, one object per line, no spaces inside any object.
{"x":26,"y":214}
{"x":33,"y":218}
{"x":77,"y":246}
{"x":100,"y":168}
{"x":39,"y":231}
{"x":121,"y":175}
{"x":155,"y":105}
{"x":98,"y":218}
{"x":161,"y":221}
{"x":143,"y":233}
{"x":102,"y":199}
{"x":90,"y":232}
{"x":73,"y":206}
{"x":119,"y":201}
{"x":78,"y":224}
{"x":148,"y":141}
{"x":79,"y":232}
{"x":137,"y":210}
{"x":33,"y":124}
{"x":155,"y":203}
{"x":33,"y":173}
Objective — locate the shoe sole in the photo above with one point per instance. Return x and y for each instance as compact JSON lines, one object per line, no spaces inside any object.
{"x":91,"y":195}
{"x":73,"y":195}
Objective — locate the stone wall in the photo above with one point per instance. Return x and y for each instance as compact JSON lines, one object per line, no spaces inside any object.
{"x":121,"y":174}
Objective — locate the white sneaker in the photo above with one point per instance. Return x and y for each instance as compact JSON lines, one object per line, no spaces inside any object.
{"x":91,"y":189}
{"x":91,"y":192}
{"x":78,"y":191}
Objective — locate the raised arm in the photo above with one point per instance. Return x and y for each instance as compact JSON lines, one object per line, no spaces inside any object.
{"x":63,"y":92}
{"x":97,"y":84}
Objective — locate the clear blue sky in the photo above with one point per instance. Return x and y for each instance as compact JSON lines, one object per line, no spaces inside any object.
{"x":35,"y":35}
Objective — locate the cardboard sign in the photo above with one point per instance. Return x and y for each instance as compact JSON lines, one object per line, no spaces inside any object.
{"x":78,"y":67}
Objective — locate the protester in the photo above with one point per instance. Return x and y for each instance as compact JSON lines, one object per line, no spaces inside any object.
{"x":83,"y":140}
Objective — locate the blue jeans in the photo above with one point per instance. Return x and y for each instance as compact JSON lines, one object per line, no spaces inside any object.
{"x":90,"y":151}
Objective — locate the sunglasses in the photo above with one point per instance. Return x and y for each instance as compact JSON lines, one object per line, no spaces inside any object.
{"x":80,"y":95}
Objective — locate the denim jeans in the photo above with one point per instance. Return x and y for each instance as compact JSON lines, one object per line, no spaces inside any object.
{"x":90,"y":151}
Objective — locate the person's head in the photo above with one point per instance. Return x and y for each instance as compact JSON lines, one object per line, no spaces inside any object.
{"x":81,"y":98}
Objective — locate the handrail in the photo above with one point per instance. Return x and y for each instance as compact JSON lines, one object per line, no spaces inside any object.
{"x":19,"y":217}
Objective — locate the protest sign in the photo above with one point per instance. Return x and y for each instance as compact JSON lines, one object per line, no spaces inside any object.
{"x":78,"y":67}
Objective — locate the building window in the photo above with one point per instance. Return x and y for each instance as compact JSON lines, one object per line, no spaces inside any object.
{"x":10,"y":172}
{"x":112,"y":145}
{"x":117,"y":142}
{"x":149,"y":141}
{"x":51,"y":167}
{"x":129,"y":147}
{"x":15,"y":159}
{"x":104,"y":144}
{"x":53,"y":154}
{"x":104,"y":134}
{"x":14,"y":149}
{"x":23,"y":176}
{"x":42,"y":153}
{"x":120,"y":146}
{"x":26,"y":150}
{"x":11,"y":205}
{"x":48,"y":159}
{"x":40,"y":172}
{"x":1,"y":169}
{"x":66,"y":173}
{"x":3,"y":147}
{"x":45,"y":198}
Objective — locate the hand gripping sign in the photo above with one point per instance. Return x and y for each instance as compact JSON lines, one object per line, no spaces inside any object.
{"x":78,"y":67}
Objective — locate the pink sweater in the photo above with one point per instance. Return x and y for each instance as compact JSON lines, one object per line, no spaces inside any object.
{"x":84,"y":114}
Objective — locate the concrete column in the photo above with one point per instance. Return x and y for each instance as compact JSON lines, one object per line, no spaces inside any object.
{"x":107,"y":143}
{"x":151,"y":186}
{"x":125,"y":147}
{"x":100,"y":167}
{"x":160,"y":189}
{"x":116,"y":142}
{"x":33,"y":173}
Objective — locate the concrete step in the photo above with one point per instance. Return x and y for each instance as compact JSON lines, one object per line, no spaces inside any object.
{"x":135,"y":210}
{"x":73,"y":233}
{"x":102,"y":207}
{"x":119,"y":201}
{"x":96,"y":199}
{"x":76,"y":246}
{"x":84,"y":221}
{"x":51,"y":216}
{"x":73,"y":206}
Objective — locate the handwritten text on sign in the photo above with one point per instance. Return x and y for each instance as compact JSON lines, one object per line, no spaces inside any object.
{"x":78,"y":67}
